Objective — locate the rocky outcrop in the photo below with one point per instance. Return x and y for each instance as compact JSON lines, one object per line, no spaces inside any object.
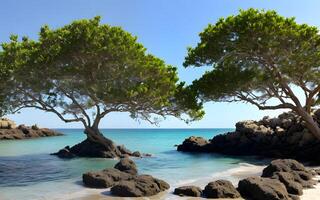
{"x":191,"y":191}
{"x":257,"y":188}
{"x":281,"y":179}
{"x":87,"y":148}
{"x":291,"y":173}
{"x":9,"y":131}
{"x":282,"y":137}
{"x":220,"y":189}
{"x":125,"y":181}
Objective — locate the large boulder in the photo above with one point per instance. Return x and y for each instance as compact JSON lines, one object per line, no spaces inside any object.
{"x":105,"y":178}
{"x":143,"y":185}
{"x":191,"y":191}
{"x":127,"y":165}
{"x":193,"y":144}
{"x":252,"y":127}
{"x":257,"y":188}
{"x":220,"y":189}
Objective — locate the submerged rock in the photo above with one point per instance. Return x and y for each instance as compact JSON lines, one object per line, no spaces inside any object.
{"x":257,"y":188}
{"x":191,"y":191}
{"x":221,"y":189}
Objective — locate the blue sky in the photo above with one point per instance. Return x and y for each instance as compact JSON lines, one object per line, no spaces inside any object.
{"x":165,"y":27}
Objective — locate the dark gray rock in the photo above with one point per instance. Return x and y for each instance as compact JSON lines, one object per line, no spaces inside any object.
{"x":257,"y":188}
{"x":105,"y":178}
{"x":127,"y":165}
{"x":288,"y":180}
{"x":193,"y":144}
{"x":191,"y":191}
{"x":136,"y":154}
{"x":143,"y":185}
{"x":282,"y":165}
{"x":221,"y":189}
{"x":64,"y":153}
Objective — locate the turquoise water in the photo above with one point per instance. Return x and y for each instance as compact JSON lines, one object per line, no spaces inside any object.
{"x":28,"y":172}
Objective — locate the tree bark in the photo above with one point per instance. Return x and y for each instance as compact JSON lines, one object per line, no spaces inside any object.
{"x":311,"y":124}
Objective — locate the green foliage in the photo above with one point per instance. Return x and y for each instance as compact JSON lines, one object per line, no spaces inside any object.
{"x":257,"y":55}
{"x":86,"y":67}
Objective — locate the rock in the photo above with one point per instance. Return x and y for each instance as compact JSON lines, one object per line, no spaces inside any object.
{"x":258,"y":188}
{"x":193,"y":144}
{"x":7,"y":124}
{"x":87,"y":148}
{"x":191,"y":191}
{"x":143,"y":185}
{"x":221,"y":189}
{"x":282,"y":165}
{"x":317,"y":171}
{"x":136,"y":154}
{"x":105,"y":178}
{"x":127,"y":165}
{"x":288,"y":180}
{"x":124,"y":150}
{"x":25,"y":132}
{"x":64,"y":153}
{"x":285,"y":136}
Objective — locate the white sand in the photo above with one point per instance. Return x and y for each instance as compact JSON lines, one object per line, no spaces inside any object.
{"x":312,"y":194}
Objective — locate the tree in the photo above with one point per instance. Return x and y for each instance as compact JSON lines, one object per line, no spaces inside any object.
{"x":260,"y":58}
{"x":84,"y":71}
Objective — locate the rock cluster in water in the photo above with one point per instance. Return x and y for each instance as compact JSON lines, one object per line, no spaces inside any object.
{"x":125,"y":181}
{"x":282,"y":137}
{"x":91,"y":149}
{"x":282,"y":179}
{"x":9,"y":131}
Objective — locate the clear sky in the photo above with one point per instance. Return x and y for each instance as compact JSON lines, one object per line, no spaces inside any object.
{"x":165,"y":27}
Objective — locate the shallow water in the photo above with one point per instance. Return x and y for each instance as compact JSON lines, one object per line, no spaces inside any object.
{"x":28,"y":172}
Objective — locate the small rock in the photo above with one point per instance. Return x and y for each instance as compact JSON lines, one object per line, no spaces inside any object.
{"x":136,"y":154}
{"x":143,"y":185}
{"x":221,"y":189}
{"x":127,"y":165}
{"x":191,"y":191}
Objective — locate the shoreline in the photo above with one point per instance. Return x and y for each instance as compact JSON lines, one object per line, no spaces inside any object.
{"x":234,"y":175}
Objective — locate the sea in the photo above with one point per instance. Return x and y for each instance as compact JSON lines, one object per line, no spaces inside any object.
{"x":29,"y":172}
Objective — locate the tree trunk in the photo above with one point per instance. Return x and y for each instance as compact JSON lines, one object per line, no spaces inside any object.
{"x":311,"y":124}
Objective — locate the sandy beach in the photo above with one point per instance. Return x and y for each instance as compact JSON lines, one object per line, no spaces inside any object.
{"x":233,"y":175}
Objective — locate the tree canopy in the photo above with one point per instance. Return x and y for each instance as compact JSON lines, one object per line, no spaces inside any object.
{"x":85,"y":70}
{"x":257,"y":56}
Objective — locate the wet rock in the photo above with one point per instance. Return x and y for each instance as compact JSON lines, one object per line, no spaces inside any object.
{"x":263,"y":189}
{"x":143,"y":185}
{"x":127,"y":165}
{"x":221,"y":189}
{"x":191,"y":191}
